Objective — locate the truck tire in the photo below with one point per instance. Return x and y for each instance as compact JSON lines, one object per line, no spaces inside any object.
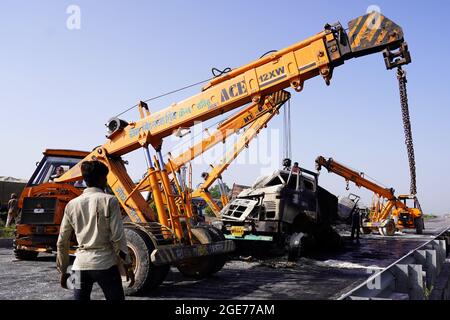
{"x":389,"y":229}
{"x":296,"y":247}
{"x":147,"y":275}
{"x":25,"y":255}
{"x":419,"y":224}
{"x":200,"y":267}
{"x":220,"y":259}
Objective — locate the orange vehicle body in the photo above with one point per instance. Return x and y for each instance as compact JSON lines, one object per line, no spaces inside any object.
{"x":42,"y":204}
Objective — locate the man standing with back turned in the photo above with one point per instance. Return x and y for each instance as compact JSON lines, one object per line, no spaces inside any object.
{"x":96,"y":221}
{"x":12,"y":210}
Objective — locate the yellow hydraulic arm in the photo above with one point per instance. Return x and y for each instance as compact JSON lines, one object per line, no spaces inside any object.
{"x":359,"y":180}
{"x":255,"y":117}
{"x":230,"y":126}
{"x":250,"y":133}
{"x":356,"y":177}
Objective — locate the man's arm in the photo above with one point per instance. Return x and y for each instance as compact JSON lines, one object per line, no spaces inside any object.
{"x":117,"y":232}
{"x":65,"y":231}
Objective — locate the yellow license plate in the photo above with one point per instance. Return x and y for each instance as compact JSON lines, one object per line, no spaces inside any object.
{"x":237,"y":231}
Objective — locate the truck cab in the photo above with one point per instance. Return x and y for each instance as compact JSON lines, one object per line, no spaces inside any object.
{"x":412,"y":217}
{"x":42,"y":203}
{"x":283,"y":206}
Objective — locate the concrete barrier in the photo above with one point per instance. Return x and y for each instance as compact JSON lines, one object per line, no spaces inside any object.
{"x":423,"y":274}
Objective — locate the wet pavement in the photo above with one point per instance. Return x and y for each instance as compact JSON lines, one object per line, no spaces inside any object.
{"x":324,"y":276}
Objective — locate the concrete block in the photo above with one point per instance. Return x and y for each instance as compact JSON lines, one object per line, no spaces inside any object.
{"x":428,"y":260}
{"x":441,"y":288}
{"x":415,"y":282}
{"x":400,"y":272}
{"x":409,"y":280}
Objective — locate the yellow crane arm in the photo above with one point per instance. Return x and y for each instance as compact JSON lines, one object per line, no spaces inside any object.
{"x":250,"y":133}
{"x":358,"y":179}
{"x":290,"y":67}
{"x":230,"y":126}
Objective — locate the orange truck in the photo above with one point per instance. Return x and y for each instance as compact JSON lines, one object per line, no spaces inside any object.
{"x":42,"y":203}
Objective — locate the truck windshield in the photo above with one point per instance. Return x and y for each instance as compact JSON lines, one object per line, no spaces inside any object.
{"x":50,"y":168}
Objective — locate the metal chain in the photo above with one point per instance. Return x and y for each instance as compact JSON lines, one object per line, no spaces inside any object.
{"x":401,"y":76}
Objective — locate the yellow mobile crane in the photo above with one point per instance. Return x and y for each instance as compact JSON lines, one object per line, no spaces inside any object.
{"x":394,"y":214}
{"x":165,"y":236}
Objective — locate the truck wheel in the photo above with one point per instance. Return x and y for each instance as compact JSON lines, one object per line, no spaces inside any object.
{"x":199,"y":267}
{"x":147,"y":275}
{"x":366,"y":230}
{"x":25,"y":255}
{"x":296,"y":246}
{"x":388,"y":229}
{"x":220,"y":259}
{"x":418,"y":223}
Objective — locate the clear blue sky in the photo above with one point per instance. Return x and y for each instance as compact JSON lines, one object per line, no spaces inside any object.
{"x":58,"y":87}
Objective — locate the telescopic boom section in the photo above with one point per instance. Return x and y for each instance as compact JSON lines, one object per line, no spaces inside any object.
{"x":290,"y":67}
{"x":356,"y":177}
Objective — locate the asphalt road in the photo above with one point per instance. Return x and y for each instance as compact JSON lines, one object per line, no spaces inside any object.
{"x":325,"y":276}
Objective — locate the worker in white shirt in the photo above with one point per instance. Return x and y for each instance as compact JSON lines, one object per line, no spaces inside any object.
{"x":96,"y":220}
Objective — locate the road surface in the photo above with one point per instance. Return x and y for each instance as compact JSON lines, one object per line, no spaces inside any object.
{"x":325,"y":276}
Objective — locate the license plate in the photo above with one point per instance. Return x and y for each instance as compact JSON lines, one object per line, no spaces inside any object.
{"x":237,"y":231}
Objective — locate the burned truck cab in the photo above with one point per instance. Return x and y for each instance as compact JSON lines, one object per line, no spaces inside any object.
{"x":42,"y":203}
{"x":284,"y":208}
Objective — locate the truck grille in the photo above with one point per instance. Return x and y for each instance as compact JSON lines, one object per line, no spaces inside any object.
{"x":38,"y":210}
{"x":270,"y":205}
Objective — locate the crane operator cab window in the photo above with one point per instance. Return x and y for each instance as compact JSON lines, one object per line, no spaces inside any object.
{"x":52,"y":167}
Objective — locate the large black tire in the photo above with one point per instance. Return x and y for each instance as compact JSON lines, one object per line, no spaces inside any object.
{"x":419,"y":224}
{"x":220,"y":259}
{"x":296,"y":250}
{"x":147,"y":275}
{"x":201,"y":267}
{"x":25,"y":255}
{"x":389,"y":229}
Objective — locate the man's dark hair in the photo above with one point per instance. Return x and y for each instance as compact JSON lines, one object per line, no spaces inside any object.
{"x":93,"y":172}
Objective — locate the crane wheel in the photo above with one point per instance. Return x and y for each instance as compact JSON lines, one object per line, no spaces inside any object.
{"x":220,"y":259}
{"x":388,"y":230}
{"x":418,"y":223}
{"x":205,"y":266}
{"x":147,"y":275}
{"x":25,"y":255}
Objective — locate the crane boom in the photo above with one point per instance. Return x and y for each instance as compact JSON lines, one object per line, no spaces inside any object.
{"x":357,"y":177}
{"x":290,"y":67}
{"x":395,"y":208}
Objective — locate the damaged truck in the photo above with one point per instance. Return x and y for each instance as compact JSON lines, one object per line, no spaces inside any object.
{"x":287,"y":209}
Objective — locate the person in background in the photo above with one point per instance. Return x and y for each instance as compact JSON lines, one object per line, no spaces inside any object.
{"x":13,"y":209}
{"x":96,"y":220}
{"x":356,"y":225}
{"x":295,"y":168}
{"x":59,"y":171}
